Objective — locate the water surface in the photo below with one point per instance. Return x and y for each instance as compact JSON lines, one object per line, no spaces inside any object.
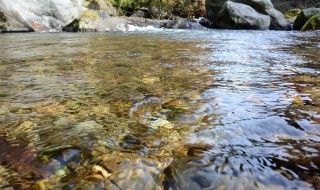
{"x":160,"y":110}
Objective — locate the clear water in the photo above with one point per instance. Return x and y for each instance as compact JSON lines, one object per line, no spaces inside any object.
{"x":160,"y":110}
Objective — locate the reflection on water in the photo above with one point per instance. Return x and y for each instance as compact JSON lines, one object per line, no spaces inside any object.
{"x":170,"y":110}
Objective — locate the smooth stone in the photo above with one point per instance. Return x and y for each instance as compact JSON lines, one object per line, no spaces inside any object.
{"x":21,"y":15}
{"x":236,"y":14}
{"x":110,"y":24}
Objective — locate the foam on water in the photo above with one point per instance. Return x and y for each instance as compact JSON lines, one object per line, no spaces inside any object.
{"x":132,"y":28}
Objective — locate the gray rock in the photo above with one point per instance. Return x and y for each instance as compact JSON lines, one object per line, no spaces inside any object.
{"x":142,"y":22}
{"x":110,"y":24}
{"x":3,"y":110}
{"x":103,"y":14}
{"x":240,"y":16}
{"x":181,"y":23}
{"x":304,"y":16}
{"x":37,"y":15}
{"x":260,"y":6}
{"x":154,"y":12}
{"x":138,"y":13}
{"x":215,"y":9}
{"x":87,"y":126}
{"x":101,"y":5}
{"x":278,"y":22}
{"x":206,"y":22}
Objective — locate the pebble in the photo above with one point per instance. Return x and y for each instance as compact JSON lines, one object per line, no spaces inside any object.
{"x":3,"y":110}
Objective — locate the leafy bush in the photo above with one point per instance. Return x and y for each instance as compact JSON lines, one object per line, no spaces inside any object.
{"x":168,"y":8}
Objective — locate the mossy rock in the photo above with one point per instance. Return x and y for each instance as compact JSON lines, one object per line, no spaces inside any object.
{"x":312,"y":24}
{"x":304,"y":16}
{"x":90,"y":14}
{"x":292,"y":14}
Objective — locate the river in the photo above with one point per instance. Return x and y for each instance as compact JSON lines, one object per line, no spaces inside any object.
{"x":163,"y":109}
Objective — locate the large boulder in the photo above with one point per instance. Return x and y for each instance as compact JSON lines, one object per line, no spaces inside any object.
{"x":37,"y":15}
{"x":109,"y":24}
{"x":278,"y":22}
{"x":217,"y":10}
{"x":139,"y":13}
{"x":304,"y":16}
{"x":97,"y":20}
{"x":240,"y":16}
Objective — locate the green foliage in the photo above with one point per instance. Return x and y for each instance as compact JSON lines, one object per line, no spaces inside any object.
{"x":167,"y":8}
{"x":76,"y":25}
{"x":89,"y":14}
{"x":131,"y":4}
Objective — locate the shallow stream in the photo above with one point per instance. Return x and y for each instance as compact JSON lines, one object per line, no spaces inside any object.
{"x":168,"y":109}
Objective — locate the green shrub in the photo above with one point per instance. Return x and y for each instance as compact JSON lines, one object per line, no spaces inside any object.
{"x":89,"y":14}
{"x":183,"y":8}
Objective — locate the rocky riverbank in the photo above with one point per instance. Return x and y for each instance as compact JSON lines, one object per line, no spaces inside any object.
{"x":74,"y":16}
{"x":101,"y":16}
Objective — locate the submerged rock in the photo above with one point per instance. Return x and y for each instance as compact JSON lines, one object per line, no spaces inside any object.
{"x":20,"y":15}
{"x":73,"y":104}
{"x":159,"y":122}
{"x":244,"y":14}
{"x":3,"y":110}
{"x":101,"y":111}
{"x":87,"y":126}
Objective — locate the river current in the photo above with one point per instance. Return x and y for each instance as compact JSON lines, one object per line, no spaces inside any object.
{"x":163,"y":109}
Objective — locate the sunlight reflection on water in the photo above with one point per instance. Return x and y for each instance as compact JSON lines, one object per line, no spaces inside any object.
{"x":167,"y":109}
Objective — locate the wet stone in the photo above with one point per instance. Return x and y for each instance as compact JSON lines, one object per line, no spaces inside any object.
{"x":159,"y":122}
{"x":3,"y":110}
{"x":73,"y":104}
{"x":87,"y":126}
{"x":101,"y":111}
{"x":181,"y":110}
{"x":63,"y":121}
{"x":70,"y":154}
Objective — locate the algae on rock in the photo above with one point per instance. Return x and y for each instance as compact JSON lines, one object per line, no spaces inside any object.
{"x":292,"y":14}
{"x":312,"y":24}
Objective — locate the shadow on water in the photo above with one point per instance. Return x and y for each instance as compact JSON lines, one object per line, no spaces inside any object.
{"x":169,"y":110}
